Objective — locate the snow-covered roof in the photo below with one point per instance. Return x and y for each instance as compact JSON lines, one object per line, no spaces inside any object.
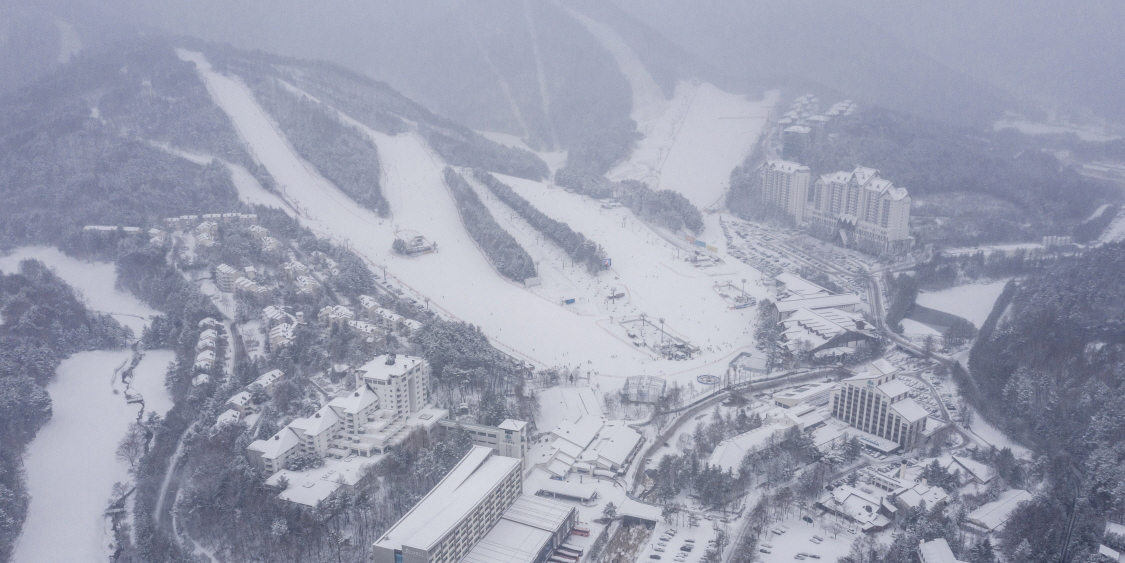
{"x":584,"y":491}
{"x":799,"y":129}
{"x":786,"y":166}
{"x":936,"y":551}
{"x":615,"y":442}
{"x":319,"y":423}
{"x":240,"y":399}
{"x":285,"y":440}
{"x":915,"y":495}
{"x":814,"y":303}
{"x":800,"y":287}
{"x":513,"y":425}
{"x":523,"y":531}
{"x":996,"y":513}
{"x":509,"y":542}
{"x":228,"y":416}
{"x":728,"y":454}
{"x":910,"y":410}
{"x":356,"y":401}
{"x":268,"y":378}
{"x":454,"y":497}
{"x":578,"y":430}
{"x":894,"y":388}
{"x":381,"y":370}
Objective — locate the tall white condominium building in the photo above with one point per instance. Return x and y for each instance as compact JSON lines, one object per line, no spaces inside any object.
{"x":401,"y":382}
{"x":866,"y":211}
{"x":477,"y":513}
{"x":786,"y":185}
{"x":876,"y":402}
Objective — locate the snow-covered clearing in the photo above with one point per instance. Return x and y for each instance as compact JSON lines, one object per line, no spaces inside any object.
{"x":972,"y":302}
{"x":71,"y":464}
{"x":148,"y":380}
{"x":994,"y":437}
{"x":1094,"y":133}
{"x":94,"y":280}
{"x":1116,"y":229}
{"x":911,"y":327}
{"x":691,"y":142}
{"x":459,"y":281}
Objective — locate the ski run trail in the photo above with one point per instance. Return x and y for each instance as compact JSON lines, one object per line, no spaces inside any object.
{"x":690,"y":143}
{"x":531,"y":323}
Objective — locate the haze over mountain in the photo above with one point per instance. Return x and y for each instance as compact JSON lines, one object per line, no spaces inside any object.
{"x":501,"y":66}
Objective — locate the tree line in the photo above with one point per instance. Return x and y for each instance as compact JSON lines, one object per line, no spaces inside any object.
{"x":578,"y":247}
{"x":498,"y":245}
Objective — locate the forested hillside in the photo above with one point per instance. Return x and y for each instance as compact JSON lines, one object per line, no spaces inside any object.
{"x":1049,"y":368}
{"x":373,"y":103}
{"x":81,"y":144}
{"x":42,"y":321}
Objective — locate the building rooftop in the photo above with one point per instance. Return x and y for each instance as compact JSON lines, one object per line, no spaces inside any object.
{"x":994,"y":514}
{"x":800,"y":287}
{"x":523,"y":531}
{"x":786,"y":166}
{"x":910,"y":410}
{"x":356,"y":401}
{"x":283,"y":441}
{"x":813,"y":303}
{"x":894,"y":388}
{"x":461,"y":490}
{"x":268,"y":378}
{"x":936,"y":551}
{"x":513,"y":425}
{"x":380,"y":369}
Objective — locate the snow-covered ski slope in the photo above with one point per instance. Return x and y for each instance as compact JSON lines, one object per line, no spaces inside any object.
{"x":458,"y":280}
{"x":693,"y":141}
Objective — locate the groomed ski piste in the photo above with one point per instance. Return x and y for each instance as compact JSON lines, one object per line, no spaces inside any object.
{"x":533,"y":324}
{"x":690,"y":143}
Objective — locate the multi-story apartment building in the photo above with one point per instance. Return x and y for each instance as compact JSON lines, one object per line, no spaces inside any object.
{"x":402,"y":382}
{"x":877,"y":403}
{"x":786,"y":185}
{"x":388,"y":403}
{"x":477,"y":513}
{"x":225,"y":276}
{"x":866,"y":211}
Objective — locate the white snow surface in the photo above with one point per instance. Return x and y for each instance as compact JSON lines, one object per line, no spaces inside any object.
{"x":71,"y":464}
{"x":972,"y":302}
{"x":459,"y":281}
{"x":148,"y":380}
{"x":94,"y":280}
{"x":1094,"y":133}
{"x":693,"y":141}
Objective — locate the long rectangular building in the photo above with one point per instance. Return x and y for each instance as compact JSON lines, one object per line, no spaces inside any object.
{"x":478,"y":513}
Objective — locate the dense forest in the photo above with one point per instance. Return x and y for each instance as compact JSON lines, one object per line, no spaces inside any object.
{"x":42,"y":321}
{"x":666,"y":208}
{"x":1049,"y":369}
{"x":968,"y":186}
{"x":578,"y":247}
{"x":498,"y":245}
{"x":84,"y":145}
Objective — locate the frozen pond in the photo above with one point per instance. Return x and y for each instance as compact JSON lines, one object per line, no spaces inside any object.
{"x":972,"y":302}
{"x":72,"y":466}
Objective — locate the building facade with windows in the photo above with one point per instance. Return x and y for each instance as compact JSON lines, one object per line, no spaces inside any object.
{"x":876,"y":402}
{"x":401,"y":382}
{"x":785,"y":184}
{"x":863,"y":209}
